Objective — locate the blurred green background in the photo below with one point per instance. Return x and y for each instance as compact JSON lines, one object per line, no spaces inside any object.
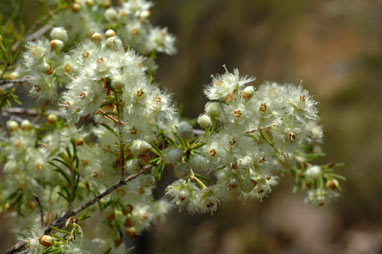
{"x":335,"y":47}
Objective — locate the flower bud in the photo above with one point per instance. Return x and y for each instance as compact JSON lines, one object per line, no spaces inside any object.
{"x":332,"y":184}
{"x":25,"y":125}
{"x":56,"y":45}
{"x":111,"y":14}
{"x":79,"y":141}
{"x":131,"y":232}
{"x":204,"y":121}
{"x":118,"y":82}
{"x":313,"y":172}
{"x":182,"y":171}
{"x":185,"y":130}
{"x":52,"y":119}
{"x":46,"y":240}
{"x":139,"y":147}
{"x":173,"y":155}
{"x":198,"y":161}
{"x":13,"y":75}
{"x":12,"y":125}
{"x":46,"y":68}
{"x":145,"y":14}
{"x":59,"y":33}
{"x":97,"y":37}
{"x":89,"y":3}
{"x":76,"y":7}
{"x":110,"y":33}
{"x":248,"y":92}
{"x":106,"y":3}
{"x":113,"y":43}
{"x":213,"y":109}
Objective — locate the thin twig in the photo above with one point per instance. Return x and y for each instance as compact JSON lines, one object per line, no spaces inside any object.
{"x":12,"y":81}
{"x":30,"y":112}
{"x":59,"y":222}
{"x":116,"y":121}
{"x":121,"y":143}
{"x":41,"y":210}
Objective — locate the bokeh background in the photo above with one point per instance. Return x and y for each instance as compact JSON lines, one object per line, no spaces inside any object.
{"x":335,"y":48}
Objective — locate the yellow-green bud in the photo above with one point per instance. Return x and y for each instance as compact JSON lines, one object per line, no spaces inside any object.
{"x":46,"y":240}
{"x":97,"y":37}
{"x":12,"y":125}
{"x":332,"y":184}
{"x":52,"y":119}
{"x":25,"y":125}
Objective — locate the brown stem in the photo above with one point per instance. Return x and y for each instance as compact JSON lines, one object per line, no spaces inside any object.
{"x":121,"y":143}
{"x":41,"y":210}
{"x":116,"y":121}
{"x":11,"y":81}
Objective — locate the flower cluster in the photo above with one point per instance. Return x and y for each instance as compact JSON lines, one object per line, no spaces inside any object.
{"x":117,"y":131}
{"x":251,"y":137}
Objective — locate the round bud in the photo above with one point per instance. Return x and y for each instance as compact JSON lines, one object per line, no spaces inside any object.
{"x":182,"y":171}
{"x":8,"y":207}
{"x":59,"y":33}
{"x":12,"y":125}
{"x":118,"y":82}
{"x":139,"y":147}
{"x":25,"y":125}
{"x":204,"y":121}
{"x":113,"y":43}
{"x":198,"y":161}
{"x":76,"y":7}
{"x":332,"y":184}
{"x":213,"y":109}
{"x":46,"y":240}
{"x":106,"y":3}
{"x":145,"y":14}
{"x":46,"y":68}
{"x":89,"y":3}
{"x":313,"y":172}
{"x":173,"y":155}
{"x":79,"y":141}
{"x":111,"y":14}
{"x":248,"y":92}
{"x":110,"y":33}
{"x":52,"y":119}
{"x":131,"y":232}
{"x":13,"y":75}
{"x":56,"y":45}
{"x":97,"y":37}
{"x":185,"y":130}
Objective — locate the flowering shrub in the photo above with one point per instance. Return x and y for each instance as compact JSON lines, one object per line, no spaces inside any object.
{"x":117,"y":131}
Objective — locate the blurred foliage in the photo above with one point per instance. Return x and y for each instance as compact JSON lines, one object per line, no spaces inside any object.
{"x":12,"y":32}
